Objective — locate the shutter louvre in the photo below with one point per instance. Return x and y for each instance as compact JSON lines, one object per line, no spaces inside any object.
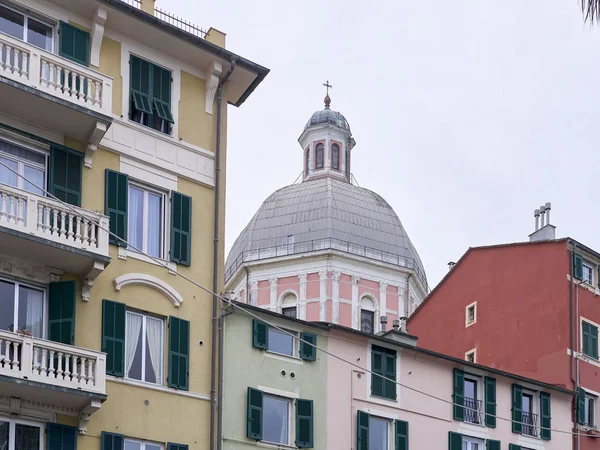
{"x":61,"y":312}
{"x":74,"y":44}
{"x":490,"y":402}
{"x":377,"y":369}
{"x":581,"y":406}
{"x":112,"y":441}
{"x":517,"y":408}
{"x":65,"y":175}
{"x":307,"y":351}
{"x":454,"y":441}
{"x":61,"y":437}
{"x":459,"y":394}
{"x":116,"y":195}
{"x":181,"y":228}
{"x":113,"y":337}
{"x":362,"y":431}
{"x":492,"y":445}
{"x":255,"y":414}
{"x":390,"y":373}
{"x":577,"y":266}
{"x":546,"y":419}
{"x":304,"y":424}
{"x":401,"y":432}
{"x":593,"y":341}
{"x":179,"y":343}
{"x":260,"y":334}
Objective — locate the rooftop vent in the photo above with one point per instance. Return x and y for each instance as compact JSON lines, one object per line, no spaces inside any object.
{"x":544,"y":231}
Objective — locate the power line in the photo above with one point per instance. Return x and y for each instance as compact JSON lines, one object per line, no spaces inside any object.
{"x":250,"y":313}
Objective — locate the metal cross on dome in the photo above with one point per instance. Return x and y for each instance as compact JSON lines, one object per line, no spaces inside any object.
{"x":327,"y":85}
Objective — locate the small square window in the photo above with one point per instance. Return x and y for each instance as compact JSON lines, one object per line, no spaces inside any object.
{"x":471,"y":356}
{"x":280,"y":342}
{"x":471,"y":314}
{"x":276,"y":421}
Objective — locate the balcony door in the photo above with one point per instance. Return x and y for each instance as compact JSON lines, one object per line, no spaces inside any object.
{"x":27,"y":163}
{"x":22,"y":309}
{"x":26,"y":28}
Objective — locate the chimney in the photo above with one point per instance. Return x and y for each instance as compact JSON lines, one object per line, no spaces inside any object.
{"x":403,"y":324}
{"x":451,"y":265}
{"x":383,"y":323}
{"x":148,"y":6}
{"x":544,"y":231}
{"x":396,"y":325}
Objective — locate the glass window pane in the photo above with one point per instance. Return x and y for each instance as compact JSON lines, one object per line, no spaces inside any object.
{"x":280,"y":342}
{"x":378,"y":434}
{"x":135,"y":223}
{"x":11,"y":22}
{"x":154,"y":348}
{"x":7,"y":306}
{"x":154,"y":224}
{"x":153,"y":447}
{"x":27,"y":437}
{"x":39,"y":34}
{"x":470,"y":389}
{"x":4,"y":436}
{"x":275,"y":420}
{"x":6,"y":176}
{"x":31,"y":311}
{"x":37,"y":179}
{"x":526,"y":403}
{"x":133,"y":346}
{"x":289,"y":312}
{"x":366,"y":321}
{"x":129,"y":445}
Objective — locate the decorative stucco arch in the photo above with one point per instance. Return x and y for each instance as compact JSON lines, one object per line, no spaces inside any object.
{"x":368,"y":302}
{"x":153,"y":282}
{"x":285,"y":293}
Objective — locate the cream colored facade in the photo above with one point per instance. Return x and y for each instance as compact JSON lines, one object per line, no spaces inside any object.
{"x":53,"y":105}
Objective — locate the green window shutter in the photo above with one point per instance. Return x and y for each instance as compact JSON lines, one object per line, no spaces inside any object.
{"x":390,"y":373}
{"x":260,"y":334}
{"x":61,"y":437}
{"x":401,"y":432}
{"x":116,"y":193}
{"x":179,"y":358}
{"x":454,"y":441}
{"x":163,"y":110}
{"x":492,"y":445}
{"x":74,"y":44}
{"x":142,"y":102}
{"x":308,"y":352}
{"x":377,"y":362}
{"x":181,"y":228}
{"x":112,"y":441}
{"x":490,"y":402}
{"x":514,"y":447}
{"x":304,"y":424}
{"x":362,"y":431}
{"x":255,"y":414}
{"x":113,"y":336}
{"x":577,"y":266}
{"x":593,"y":341}
{"x":585,"y":341}
{"x":546,"y":419}
{"x":172,"y":446}
{"x":517,"y":408}
{"x":61,"y":312}
{"x":65,"y":175}
{"x":581,"y":406}
{"x":459,"y":394}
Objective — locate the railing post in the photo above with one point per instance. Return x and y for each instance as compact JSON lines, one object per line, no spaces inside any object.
{"x":27,"y":357}
{"x":102,"y":236}
{"x":100,"y":374}
{"x":106,"y":97}
{"x":32,"y":218}
{"x":34,"y":69}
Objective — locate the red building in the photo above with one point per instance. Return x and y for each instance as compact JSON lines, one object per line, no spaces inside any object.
{"x":531,"y":308}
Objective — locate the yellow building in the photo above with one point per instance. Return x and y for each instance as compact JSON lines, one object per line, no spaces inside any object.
{"x":112,"y":117}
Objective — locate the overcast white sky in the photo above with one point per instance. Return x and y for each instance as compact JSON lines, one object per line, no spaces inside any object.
{"x":467,"y":114}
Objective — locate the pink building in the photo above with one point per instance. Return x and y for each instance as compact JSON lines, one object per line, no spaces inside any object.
{"x":326,"y":249}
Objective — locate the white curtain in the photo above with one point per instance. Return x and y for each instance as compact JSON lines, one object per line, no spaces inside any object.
{"x":154,"y":329}
{"x":136,"y":217}
{"x":154,"y":225}
{"x":132,"y":336}
{"x":33,"y":300}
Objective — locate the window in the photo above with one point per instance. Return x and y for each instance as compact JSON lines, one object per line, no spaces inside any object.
{"x":529,"y":419}
{"x":20,"y":435}
{"x":150,"y":102}
{"x":289,"y":312}
{"x":471,"y":400}
{"x":280,"y":342}
{"x":471,"y":314}
{"x":378,"y":433}
{"x":470,"y":443}
{"x":587,"y":273}
{"x":144,"y":345}
{"x":470,"y":356}
{"x":306,"y":160}
{"x":28,"y":163}
{"x":367,"y":321}
{"x":146,"y":221}
{"x":348,"y":164}
{"x":131,"y":444}
{"x":291,"y":244}
{"x":22,"y":309}
{"x":273,"y":340}
{"x":335,"y":156}
{"x":276,"y":421}
{"x":589,"y":339}
{"x":24,"y":27}
{"x":319,"y":156}
{"x":468,"y":399}
{"x":383,"y":364}
{"x":590,"y":403}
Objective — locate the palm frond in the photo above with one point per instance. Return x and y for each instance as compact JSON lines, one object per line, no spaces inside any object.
{"x":591,"y":10}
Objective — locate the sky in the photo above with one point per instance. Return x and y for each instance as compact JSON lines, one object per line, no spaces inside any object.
{"x":467,"y":115}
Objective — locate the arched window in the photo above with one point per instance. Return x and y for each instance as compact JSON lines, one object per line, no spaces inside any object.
{"x":348,"y":164}
{"x":335,"y":156}
{"x":288,"y":305}
{"x":367,"y":315}
{"x":319,"y":156}
{"x":306,"y":159}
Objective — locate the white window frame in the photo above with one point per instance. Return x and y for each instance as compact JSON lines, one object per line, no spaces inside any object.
{"x":595,"y":408}
{"x":161,"y":377}
{"x":13,"y":422}
{"x":471,"y":352}
{"x":295,"y":346}
{"x":389,"y":428}
{"x":144,"y":443}
{"x":27,"y":15}
{"x":44,"y":291}
{"x":291,"y":418}
{"x":535,"y":406}
{"x":22,"y":163}
{"x":473,"y":440}
{"x":590,"y":266}
{"x":479,"y":393}
{"x":146,"y":189}
{"x":468,"y":321}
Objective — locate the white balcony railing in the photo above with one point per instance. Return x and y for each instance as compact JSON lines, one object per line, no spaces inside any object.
{"x":55,"y":75}
{"x":52,"y":363}
{"x":46,"y":218}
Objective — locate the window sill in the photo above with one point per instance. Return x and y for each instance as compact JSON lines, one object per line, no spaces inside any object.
{"x":282,"y":357}
{"x":123,"y":254}
{"x":386,"y":399}
{"x":150,"y":129}
{"x":156,"y":387}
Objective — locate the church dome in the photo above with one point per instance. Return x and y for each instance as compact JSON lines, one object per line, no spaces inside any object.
{"x":328,"y":116}
{"x":325,"y":214}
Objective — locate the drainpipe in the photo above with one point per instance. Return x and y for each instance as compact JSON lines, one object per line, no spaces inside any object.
{"x":571,"y":328}
{"x":213,"y":355}
{"x":220,"y":383}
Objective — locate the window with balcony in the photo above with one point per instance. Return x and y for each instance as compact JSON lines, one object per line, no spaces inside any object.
{"x":27,"y":28}
{"x":144,"y":347}
{"x":27,"y":163}
{"x":529,"y":418}
{"x":474,"y":399}
{"x":146,"y":221}
{"x":20,"y":435}
{"x":22,"y":308}
{"x":531,"y":415}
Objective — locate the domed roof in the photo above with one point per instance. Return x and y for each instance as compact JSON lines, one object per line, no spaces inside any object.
{"x":328,"y":116}
{"x":325,"y":213}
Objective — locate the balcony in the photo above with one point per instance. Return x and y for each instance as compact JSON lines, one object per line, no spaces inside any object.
{"x":31,"y":224}
{"x":61,"y":377}
{"x":473,"y":410}
{"x":529,"y":427}
{"x":43,"y":88}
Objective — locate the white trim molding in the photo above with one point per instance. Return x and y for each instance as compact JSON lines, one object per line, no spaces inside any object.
{"x":212,"y":82}
{"x":97,"y":35}
{"x":153,"y":282}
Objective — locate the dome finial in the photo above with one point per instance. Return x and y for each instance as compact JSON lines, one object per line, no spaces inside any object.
{"x":327,"y":98}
